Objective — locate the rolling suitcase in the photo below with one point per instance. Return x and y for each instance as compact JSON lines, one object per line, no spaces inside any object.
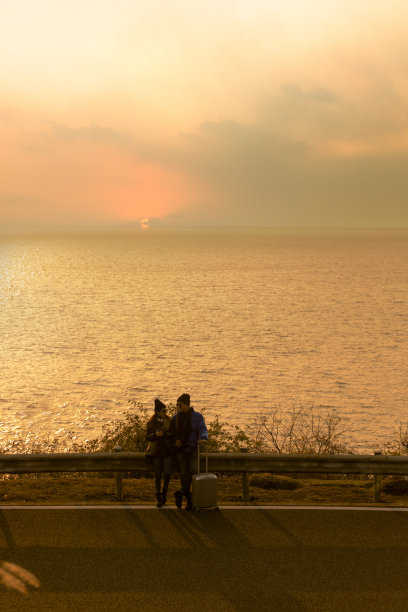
{"x":204,"y":487}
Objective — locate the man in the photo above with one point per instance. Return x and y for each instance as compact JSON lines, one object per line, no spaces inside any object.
{"x":188,"y":428}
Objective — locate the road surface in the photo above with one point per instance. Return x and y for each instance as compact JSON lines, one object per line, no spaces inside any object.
{"x":127,"y":558}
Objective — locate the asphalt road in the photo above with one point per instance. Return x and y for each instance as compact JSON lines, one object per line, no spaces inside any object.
{"x":231,"y":560}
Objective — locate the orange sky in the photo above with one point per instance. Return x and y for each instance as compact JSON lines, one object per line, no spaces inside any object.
{"x":262,"y":113}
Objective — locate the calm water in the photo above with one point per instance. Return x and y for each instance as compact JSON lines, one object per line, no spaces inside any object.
{"x":241,"y":320}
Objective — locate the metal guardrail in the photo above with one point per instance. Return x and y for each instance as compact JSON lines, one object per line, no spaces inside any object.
{"x":243,"y":463}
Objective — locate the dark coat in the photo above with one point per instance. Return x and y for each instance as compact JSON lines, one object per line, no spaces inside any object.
{"x":197,"y":430}
{"x":159,"y":446}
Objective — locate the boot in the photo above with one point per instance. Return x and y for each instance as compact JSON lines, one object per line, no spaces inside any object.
{"x":189,"y":504}
{"x":158,"y":494}
{"x":165,"y":487}
{"x":178,"y":496}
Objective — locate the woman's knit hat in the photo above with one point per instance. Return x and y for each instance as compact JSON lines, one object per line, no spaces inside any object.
{"x":158,"y":405}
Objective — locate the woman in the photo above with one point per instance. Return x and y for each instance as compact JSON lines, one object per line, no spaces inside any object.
{"x":160,"y":449}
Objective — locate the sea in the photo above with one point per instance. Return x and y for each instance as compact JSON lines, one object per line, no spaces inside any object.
{"x":242,"y":319}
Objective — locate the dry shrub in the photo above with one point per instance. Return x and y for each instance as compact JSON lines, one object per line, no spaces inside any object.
{"x":398,"y":445}
{"x":301,"y":430}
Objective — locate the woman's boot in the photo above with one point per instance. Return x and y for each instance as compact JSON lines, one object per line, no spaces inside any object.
{"x":165,"y":488}
{"x":158,"y":494}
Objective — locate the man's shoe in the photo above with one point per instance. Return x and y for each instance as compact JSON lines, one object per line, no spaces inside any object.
{"x":178,"y":496}
{"x":189,"y":504}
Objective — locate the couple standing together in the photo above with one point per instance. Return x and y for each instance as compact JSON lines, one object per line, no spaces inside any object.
{"x":177,"y":437}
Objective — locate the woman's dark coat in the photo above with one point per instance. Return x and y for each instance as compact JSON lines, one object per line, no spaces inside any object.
{"x":159,"y":446}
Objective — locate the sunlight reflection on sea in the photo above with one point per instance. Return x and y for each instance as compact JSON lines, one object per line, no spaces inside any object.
{"x":241,"y":320}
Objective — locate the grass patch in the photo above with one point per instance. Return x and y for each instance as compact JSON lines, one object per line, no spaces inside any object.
{"x":70,"y":489}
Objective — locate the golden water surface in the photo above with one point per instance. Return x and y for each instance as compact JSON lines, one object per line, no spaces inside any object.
{"x":242,"y":320}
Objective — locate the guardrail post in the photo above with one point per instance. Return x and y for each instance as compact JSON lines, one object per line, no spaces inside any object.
{"x":377,"y":483}
{"x":118,"y":478}
{"x":244,"y":480}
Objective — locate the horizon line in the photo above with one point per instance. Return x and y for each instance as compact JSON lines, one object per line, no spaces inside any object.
{"x":136,"y":229}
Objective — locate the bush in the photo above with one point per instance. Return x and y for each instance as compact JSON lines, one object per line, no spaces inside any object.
{"x":127,"y":432}
{"x":25,"y":443}
{"x":301,"y":430}
{"x":398,"y":445}
{"x":306,"y":431}
{"x":395,"y":485}
{"x":270,"y":481}
{"x":222,"y":437}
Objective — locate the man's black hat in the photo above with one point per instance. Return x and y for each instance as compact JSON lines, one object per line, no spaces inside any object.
{"x":184,"y":399}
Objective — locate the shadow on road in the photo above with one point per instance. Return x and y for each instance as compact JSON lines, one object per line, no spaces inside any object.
{"x":223,"y":561}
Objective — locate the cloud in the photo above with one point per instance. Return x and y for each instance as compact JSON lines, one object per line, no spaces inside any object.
{"x":318,"y":94}
{"x":313,"y":157}
{"x":56,"y":174}
{"x":245,"y":113}
{"x":95,"y":133}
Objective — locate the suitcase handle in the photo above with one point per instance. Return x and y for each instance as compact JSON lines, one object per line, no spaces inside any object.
{"x":198,"y":459}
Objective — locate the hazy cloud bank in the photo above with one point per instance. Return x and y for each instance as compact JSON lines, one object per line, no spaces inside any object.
{"x":314,"y":157}
{"x":221,"y":113}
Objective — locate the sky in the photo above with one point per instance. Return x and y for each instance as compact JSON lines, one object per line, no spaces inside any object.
{"x":120,"y":113}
